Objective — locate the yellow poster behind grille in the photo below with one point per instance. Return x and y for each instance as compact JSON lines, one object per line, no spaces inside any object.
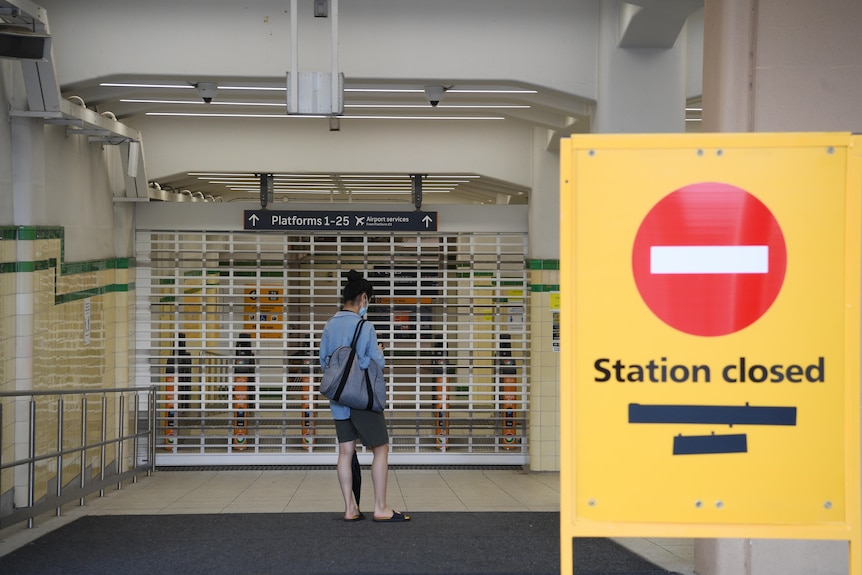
{"x":710,"y":336}
{"x":263,"y":310}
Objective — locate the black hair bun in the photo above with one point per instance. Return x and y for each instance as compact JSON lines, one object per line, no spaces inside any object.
{"x":353,"y":276}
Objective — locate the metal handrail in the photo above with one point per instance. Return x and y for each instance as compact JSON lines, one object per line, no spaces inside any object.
{"x":116,"y":436}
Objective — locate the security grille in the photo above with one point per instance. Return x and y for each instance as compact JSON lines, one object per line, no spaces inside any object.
{"x":228,"y":326}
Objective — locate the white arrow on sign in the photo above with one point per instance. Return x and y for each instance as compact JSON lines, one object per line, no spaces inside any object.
{"x":427,"y":220}
{"x":253,"y":219}
{"x":709,"y":259}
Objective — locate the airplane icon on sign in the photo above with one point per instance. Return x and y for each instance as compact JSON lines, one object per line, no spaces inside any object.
{"x":360,"y":220}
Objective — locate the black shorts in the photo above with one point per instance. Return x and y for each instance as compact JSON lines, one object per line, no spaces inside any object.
{"x":368,"y":426}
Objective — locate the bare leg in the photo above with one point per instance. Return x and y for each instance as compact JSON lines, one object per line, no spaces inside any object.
{"x":345,"y":478}
{"x":379,"y":475}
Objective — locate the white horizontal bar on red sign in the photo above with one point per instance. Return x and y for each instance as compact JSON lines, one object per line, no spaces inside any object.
{"x":709,"y":259}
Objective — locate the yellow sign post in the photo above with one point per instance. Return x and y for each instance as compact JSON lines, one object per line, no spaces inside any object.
{"x":710,"y":336}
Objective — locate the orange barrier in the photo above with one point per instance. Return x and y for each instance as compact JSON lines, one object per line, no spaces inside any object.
{"x":508,"y":389}
{"x":240,"y":404}
{"x":184,"y":372}
{"x":307,"y":406}
{"x":243,"y":376}
{"x":441,"y":406}
{"x":442,"y":412}
{"x":170,"y":421}
{"x":509,"y":425}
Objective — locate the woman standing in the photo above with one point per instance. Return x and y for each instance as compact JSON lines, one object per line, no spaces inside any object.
{"x":353,"y":424}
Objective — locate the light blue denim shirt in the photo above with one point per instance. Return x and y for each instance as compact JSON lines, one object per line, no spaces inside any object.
{"x":339,"y":332}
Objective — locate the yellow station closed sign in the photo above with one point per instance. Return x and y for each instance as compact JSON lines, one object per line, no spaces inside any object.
{"x":710,"y":336}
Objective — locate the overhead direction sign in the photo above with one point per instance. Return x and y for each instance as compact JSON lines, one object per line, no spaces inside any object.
{"x":339,"y":221}
{"x":710,"y":334}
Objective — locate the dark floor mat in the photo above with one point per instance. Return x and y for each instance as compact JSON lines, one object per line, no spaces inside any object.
{"x":317,"y":544}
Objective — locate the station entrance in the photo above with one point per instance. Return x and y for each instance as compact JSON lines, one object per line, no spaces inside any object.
{"x":228,"y":326}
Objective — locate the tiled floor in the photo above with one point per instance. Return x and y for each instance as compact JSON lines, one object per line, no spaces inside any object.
{"x":265,"y":491}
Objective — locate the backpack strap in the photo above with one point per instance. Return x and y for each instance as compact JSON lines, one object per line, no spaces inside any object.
{"x":356,"y":333}
{"x":349,"y":363}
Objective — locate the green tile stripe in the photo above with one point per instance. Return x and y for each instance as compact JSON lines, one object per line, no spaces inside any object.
{"x":92,"y":292}
{"x":543,"y":264}
{"x":28,"y":267}
{"x":86,"y":267}
{"x":32,"y":233}
{"x":253,"y":274}
{"x":92,"y":266}
{"x":544,"y":287}
{"x":252,"y":263}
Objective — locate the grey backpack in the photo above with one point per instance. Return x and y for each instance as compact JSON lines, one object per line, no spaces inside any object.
{"x":345,"y":382}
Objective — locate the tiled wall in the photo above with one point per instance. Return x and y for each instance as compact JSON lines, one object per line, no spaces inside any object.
{"x":545,"y":366}
{"x":43,"y":345}
{"x":7,"y":345}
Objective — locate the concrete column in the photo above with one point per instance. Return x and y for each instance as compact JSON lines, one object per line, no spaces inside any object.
{"x":782,"y":65}
{"x":544,"y":199}
{"x":28,"y":170}
{"x":728,"y":65}
{"x":722,"y":557}
{"x":544,"y":250}
{"x":27,"y":145}
{"x":640,"y":89}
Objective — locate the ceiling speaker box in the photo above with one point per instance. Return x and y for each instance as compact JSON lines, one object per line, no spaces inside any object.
{"x":21,"y":44}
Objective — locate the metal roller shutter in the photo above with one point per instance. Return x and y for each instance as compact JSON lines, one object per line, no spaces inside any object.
{"x":228,"y":326}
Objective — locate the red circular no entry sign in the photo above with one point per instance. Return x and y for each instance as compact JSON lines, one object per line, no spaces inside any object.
{"x":709,"y":259}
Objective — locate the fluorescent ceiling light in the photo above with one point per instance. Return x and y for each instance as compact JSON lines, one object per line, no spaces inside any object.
{"x":374,"y":176}
{"x":284,"y":88}
{"x":423,"y":117}
{"x":217,"y":174}
{"x":200,"y":103}
{"x":450,"y":91}
{"x":387,"y":90}
{"x":240,"y":176}
{"x":441,"y":106}
{"x":299,"y":176}
{"x":270,"y":116}
{"x":253,"y":88}
{"x":363,"y":106}
{"x":455,"y":91}
{"x":458,"y":176}
{"x":226,"y":115}
{"x":133,"y":85}
{"x":188,"y":86}
{"x":370,"y":192}
{"x":332,"y":192}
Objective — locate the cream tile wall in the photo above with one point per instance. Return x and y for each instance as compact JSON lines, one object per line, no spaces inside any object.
{"x":42,"y":347}
{"x":544,"y":370}
{"x":8,"y":282}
